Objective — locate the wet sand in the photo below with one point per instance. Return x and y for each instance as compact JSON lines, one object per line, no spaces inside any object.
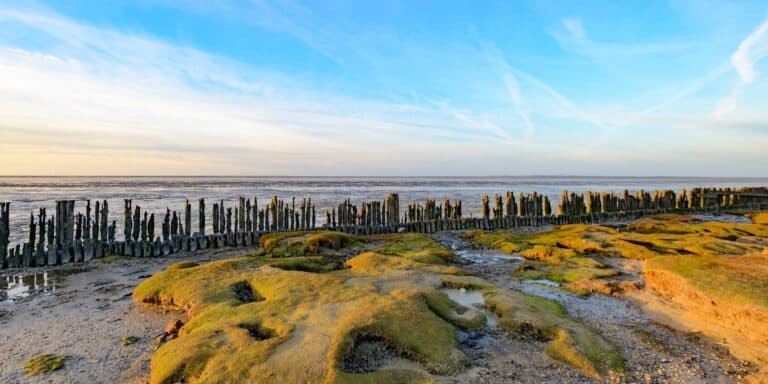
{"x":85,"y":315}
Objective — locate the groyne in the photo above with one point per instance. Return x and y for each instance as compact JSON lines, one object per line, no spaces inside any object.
{"x":68,"y":235}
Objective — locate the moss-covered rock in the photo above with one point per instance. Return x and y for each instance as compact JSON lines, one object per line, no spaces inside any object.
{"x":304,"y":323}
{"x":41,"y":364}
{"x":305,"y":243}
{"x":418,"y":247}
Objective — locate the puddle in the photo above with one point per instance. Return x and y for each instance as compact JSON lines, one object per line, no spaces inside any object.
{"x":486,"y":256}
{"x":472,"y":299}
{"x":726,"y":218}
{"x":17,"y":287}
{"x":546,"y":282}
{"x":477,"y":255}
{"x":467,"y":298}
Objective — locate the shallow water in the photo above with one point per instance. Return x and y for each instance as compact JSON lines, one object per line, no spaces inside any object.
{"x":733,"y":219}
{"x":154,"y":194}
{"x":17,"y":287}
{"x":487,"y":256}
{"x":472,"y":299}
{"x":20,"y":286}
{"x":546,"y":282}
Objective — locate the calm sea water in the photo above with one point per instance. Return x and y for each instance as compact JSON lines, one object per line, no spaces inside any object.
{"x":154,"y":194}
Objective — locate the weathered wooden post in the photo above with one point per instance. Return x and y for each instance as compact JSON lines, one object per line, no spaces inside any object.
{"x":240,"y":214}
{"x":111,"y":231}
{"x":70,"y":220}
{"x":144,"y":226}
{"x":510,"y":203}
{"x":151,"y":227}
{"x":222,"y":217}
{"x":29,"y":255}
{"x":174,"y":224}
{"x":87,"y":222}
{"x":41,"y":223}
{"x":498,"y":210}
{"x":167,"y":224}
{"x":562,"y":209}
{"x":273,"y":208}
{"x":136,"y":223}
{"x":78,"y":226}
{"x":248,"y":213}
{"x":255,"y":213}
{"x":523,"y":205}
{"x":97,"y":220}
{"x":187,"y":218}
{"x":128,"y":223}
{"x":51,"y":260}
{"x":5,"y":232}
{"x":215,"y":218}
{"x":201,"y":216}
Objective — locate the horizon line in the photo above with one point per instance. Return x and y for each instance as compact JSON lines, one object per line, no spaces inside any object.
{"x":393,"y":176}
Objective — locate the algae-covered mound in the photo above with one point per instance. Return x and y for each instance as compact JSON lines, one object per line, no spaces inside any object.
{"x":288,"y":244}
{"x":572,"y":253}
{"x":418,"y":247}
{"x":651,"y":237}
{"x":377,"y":318}
{"x":305,"y":325}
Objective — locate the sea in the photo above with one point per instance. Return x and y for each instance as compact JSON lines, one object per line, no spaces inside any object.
{"x":155,"y":193}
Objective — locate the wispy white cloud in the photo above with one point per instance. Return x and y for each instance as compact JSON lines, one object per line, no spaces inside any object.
{"x":572,"y":36}
{"x":507,"y":75}
{"x":750,"y":51}
{"x":512,"y":77}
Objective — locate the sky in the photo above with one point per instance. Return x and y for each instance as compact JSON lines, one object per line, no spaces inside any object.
{"x":390,"y":88}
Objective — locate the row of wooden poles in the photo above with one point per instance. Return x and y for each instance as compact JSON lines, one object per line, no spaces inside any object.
{"x":70,"y":236}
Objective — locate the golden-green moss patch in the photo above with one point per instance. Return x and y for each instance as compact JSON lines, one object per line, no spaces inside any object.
{"x":651,"y":237}
{"x":759,"y":217}
{"x":417,"y":246}
{"x":305,"y":319}
{"x":732,"y":279}
{"x":288,"y":244}
{"x":128,"y":340}
{"x":44,"y":363}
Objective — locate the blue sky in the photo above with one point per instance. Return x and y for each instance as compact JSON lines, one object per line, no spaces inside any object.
{"x":670,"y":88}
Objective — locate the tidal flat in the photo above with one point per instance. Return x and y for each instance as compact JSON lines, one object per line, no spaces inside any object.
{"x":667,"y":298}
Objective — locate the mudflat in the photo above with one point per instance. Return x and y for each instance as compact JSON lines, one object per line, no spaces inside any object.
{"x":574,"y":303}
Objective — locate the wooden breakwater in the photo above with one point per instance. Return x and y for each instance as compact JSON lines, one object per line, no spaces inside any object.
{"x":68,"y":236}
